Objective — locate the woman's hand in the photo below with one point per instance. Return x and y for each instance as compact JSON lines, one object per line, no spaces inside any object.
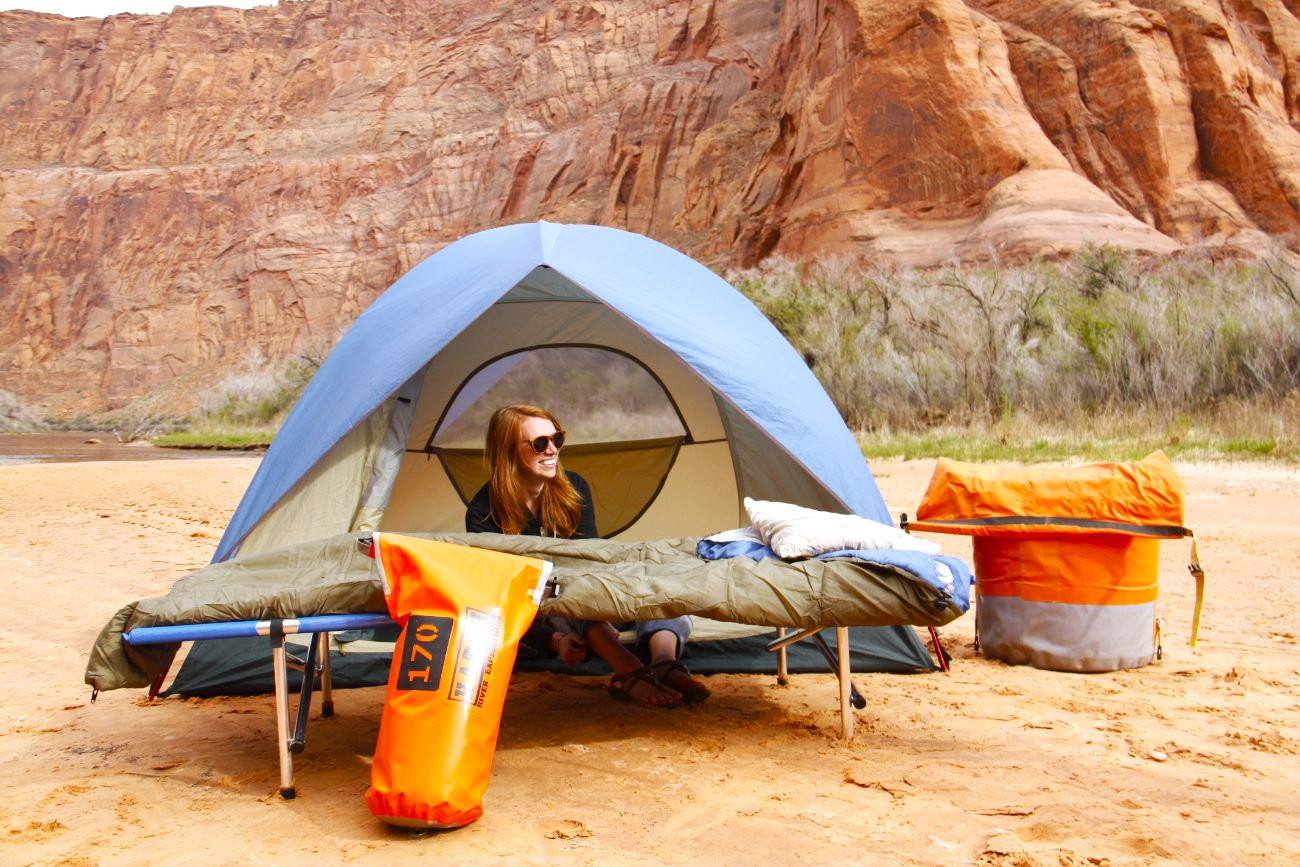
{"x":569,"y":646}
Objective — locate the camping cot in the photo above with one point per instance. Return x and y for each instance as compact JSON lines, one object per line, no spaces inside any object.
{"x":592,"y":579}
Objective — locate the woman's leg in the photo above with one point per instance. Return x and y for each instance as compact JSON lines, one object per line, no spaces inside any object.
{"x":662,"y":642}
{"x":602,"y":639}
{"x":662,"y":647}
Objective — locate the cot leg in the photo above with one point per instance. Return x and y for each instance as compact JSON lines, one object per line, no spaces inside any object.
{"x":299,"y":740}
{"x":839,"y":664}
{"x":846,"y":710}
{"x":833,"y":663}
{"x":280,"y":668}
{"x":782,"y":673}
{"x":326,"y":687}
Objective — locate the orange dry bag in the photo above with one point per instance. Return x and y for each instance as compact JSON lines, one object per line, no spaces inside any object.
{"x":462,"y":611}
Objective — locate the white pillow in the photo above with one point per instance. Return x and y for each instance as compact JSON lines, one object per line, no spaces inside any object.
{"x":740,"y":534}
{"x":793,"y":531}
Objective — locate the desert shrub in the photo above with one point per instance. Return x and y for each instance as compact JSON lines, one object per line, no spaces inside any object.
{"x":15,"y":417}
{"x":257,"y":395}
{"x":1103,"y":331}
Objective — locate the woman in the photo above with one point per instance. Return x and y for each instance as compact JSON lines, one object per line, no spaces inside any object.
{"x":528,"y":493}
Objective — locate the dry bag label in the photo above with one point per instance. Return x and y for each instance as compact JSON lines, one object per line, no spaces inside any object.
{"x":480,"y":638}
{"x":424,"y":652}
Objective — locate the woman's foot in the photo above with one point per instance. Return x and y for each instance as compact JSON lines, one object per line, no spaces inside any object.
{"x":677,"y":677}
{"x":641,"y":687}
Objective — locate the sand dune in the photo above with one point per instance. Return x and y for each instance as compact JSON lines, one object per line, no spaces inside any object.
{"x":1190,"y":760}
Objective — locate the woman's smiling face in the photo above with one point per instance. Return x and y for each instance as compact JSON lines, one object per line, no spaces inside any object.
{"x":531,"y":464}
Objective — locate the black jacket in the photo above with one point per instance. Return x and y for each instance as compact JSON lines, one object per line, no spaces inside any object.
{"x":479,"y":519}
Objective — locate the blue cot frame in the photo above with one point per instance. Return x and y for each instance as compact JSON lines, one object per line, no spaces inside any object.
{"x":289,"y":741}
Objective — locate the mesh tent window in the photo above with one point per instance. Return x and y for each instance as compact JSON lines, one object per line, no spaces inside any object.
{"x":624,"y":430}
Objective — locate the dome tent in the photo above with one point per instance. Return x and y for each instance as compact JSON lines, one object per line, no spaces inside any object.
{"x":757,"y":423}
{"x":681,"y":400}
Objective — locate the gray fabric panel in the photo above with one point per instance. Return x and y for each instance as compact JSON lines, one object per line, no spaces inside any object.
{"x":389,"y":457}
{"x":766,"y":471}
{"x":599,"y":579}
{"x":1065,"y":637}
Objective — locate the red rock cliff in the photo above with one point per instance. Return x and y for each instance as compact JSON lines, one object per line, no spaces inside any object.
{"x":177,"y":189}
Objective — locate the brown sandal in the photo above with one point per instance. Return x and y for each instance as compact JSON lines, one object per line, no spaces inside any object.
{"x":622,"y":685}
{"x":676,"y":676}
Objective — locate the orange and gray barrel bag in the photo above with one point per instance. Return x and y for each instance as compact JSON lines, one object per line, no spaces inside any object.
{"x":1066,"y":559}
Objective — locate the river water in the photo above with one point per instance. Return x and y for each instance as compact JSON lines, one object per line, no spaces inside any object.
{"x":64,"y":446}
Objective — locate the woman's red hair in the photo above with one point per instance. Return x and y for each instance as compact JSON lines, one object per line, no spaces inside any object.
{"x":559,"y":508}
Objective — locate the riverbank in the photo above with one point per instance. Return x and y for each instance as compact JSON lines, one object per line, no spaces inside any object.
{"x":83,"y":446}
{"x":1187,"y":761}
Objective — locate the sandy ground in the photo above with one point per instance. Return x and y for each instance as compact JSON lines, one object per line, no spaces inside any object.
{"x":1190,"y":760}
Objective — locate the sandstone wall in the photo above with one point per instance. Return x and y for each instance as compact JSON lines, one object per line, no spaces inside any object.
{"x":178,"y":189}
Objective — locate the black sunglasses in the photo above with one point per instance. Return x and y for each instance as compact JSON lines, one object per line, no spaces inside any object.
{"x":539,"y":443}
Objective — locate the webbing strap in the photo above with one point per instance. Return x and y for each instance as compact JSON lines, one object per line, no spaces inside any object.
{"x":275,"y":631}
{"x":1157,"y":531}
{"x":1199,"y":574}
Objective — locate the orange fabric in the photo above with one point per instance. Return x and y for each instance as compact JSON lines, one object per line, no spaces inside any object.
{"x":1103,"y":570}
{"x":463,"y":611}
{"x":1146,"y":493}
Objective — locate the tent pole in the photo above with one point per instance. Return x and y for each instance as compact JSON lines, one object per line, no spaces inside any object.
{"x":938,"y":650}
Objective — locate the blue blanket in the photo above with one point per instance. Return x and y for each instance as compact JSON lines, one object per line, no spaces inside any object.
{"x":941,"y":572}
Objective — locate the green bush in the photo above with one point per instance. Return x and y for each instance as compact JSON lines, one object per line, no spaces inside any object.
{"x":247,"y":406}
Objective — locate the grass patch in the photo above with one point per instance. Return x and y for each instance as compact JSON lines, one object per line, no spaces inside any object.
{"x":1116,"y":442}
{"x":983,"y":447}
{"x":1259,"y":448}
{"x":216,"y":440}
